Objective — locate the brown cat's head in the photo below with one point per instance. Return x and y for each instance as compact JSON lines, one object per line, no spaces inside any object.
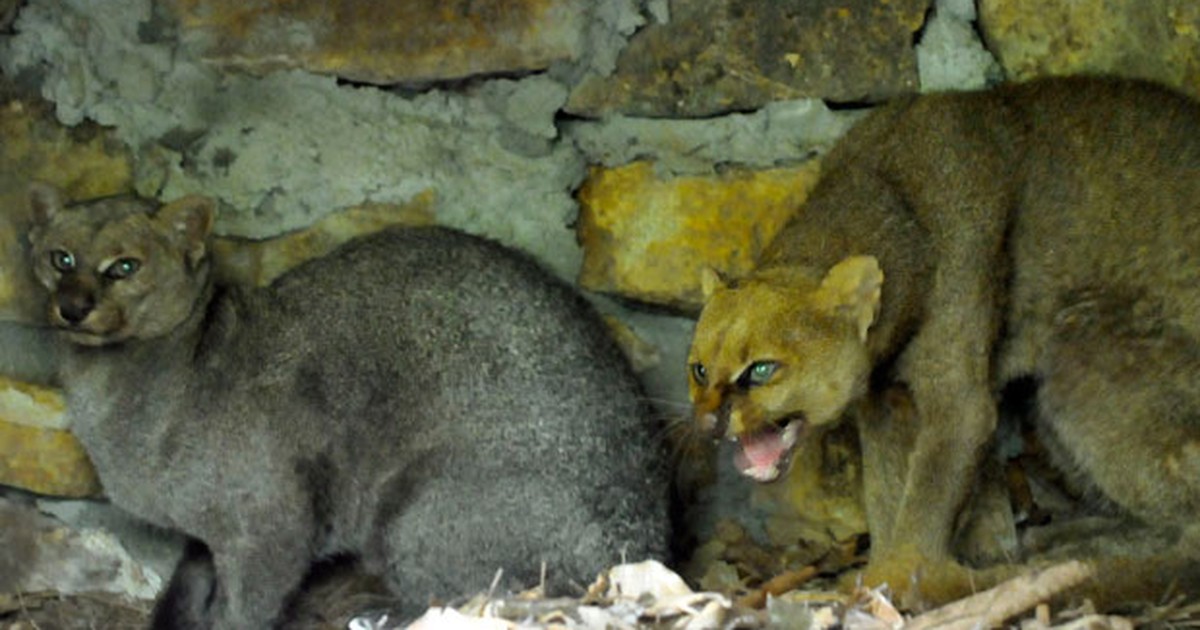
{"x":119,"y":268}
{"x":779,"y":353}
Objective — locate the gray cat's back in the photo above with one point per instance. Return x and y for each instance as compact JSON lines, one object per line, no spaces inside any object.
{"x":462,"y":291}
{"x":445,"y":310}
{"x":506,"y":427}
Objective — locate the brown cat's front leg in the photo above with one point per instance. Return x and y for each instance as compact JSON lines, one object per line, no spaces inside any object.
{"x":955,"y":424}
{"x":955,"y":415}
{"x":887,"y":425}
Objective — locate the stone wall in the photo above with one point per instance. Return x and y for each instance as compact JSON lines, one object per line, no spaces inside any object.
{"x":625,"y":143}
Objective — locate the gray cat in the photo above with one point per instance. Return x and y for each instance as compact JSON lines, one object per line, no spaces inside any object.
{"x":429,"y":401}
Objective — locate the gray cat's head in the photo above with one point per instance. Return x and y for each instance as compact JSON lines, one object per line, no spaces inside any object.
{"x":119,"y":268}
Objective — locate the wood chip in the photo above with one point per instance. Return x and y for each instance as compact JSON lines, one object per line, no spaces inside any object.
{"x":776,"y":586}
{"x":1008,"y":599}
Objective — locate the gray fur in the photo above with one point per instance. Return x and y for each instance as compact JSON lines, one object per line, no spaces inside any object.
{"x":28,"y":353}
{"x":428,"y":400}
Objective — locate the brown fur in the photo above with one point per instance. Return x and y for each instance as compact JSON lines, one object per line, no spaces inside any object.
{"x":1046,"y":230}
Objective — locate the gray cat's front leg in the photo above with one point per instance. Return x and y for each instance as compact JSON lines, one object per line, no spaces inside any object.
{"x":255,"y":577}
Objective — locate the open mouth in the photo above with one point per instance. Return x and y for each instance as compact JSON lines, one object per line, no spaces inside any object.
{"x":765,"y":454}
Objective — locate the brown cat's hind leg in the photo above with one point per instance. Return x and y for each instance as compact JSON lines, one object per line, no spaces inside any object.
{"x":1120,"y":397}
{"x":1125,"y":412}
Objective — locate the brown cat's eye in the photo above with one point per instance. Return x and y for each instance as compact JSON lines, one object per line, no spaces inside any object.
{"x":759,"y":373}
{"x":700,"y":374}
{"x":122,"y":268}
{"x":62,"y":261}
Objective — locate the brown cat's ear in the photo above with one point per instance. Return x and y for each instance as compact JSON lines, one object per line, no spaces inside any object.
{"x":190,"y":219}
{"x":852,"y":289}
{"x":711,"y":281}
{"x":45,"y":200}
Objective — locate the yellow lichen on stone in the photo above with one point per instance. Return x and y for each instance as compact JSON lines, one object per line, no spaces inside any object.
{"x":251,"y":262}
{"x":36,"y":453}
{"x":84,"y":161}
{"x":1149,"y":39}
{"x":384,"y":42}
{"x":45,"y":461}
{"x":647,"y":238}
{"x":31,"y":405}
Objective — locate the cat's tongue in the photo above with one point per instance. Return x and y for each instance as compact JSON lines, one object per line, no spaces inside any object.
{"x":759,"y":455}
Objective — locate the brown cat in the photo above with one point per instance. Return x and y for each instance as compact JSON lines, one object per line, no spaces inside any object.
{"x":957,"y":242}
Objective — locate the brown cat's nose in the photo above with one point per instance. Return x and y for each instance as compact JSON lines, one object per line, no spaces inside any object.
{"x":75,"y":308}
{"x":713,"y":421}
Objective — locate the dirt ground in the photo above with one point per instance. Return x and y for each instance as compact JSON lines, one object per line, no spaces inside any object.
{"x":335,"y":601}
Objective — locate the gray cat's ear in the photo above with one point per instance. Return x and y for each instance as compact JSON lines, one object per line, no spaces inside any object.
{"x":190,"y":219}
{"x":45,"y":200}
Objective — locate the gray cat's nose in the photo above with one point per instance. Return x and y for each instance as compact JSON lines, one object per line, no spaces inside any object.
{"x":75,"y":308}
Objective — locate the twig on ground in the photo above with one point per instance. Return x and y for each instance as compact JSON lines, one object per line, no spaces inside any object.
{"x":776,"y":586}
{"x":1007,"y":599}
{"x":1098,"y":622}
{"x":25,"y":611}
{"x":491,"y":592}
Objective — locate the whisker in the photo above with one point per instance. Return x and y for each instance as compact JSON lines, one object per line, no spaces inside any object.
{"x":669,"y":416}
{"x":667,"y":432}
{"x":666,"y":402}
{"x":684,"y":439}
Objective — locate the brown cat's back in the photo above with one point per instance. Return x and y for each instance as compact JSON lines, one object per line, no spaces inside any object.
{"x":1110,"y":203}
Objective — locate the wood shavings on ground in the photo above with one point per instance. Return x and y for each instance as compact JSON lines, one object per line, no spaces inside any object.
{"x":648,"y":595}
{"x":86,"y":611}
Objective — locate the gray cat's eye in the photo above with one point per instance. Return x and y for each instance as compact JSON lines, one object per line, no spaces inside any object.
{"x":122,"y":268}
{"x":62,"y":260}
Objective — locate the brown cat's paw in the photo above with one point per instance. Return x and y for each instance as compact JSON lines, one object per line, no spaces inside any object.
{"x":916,"y":584}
